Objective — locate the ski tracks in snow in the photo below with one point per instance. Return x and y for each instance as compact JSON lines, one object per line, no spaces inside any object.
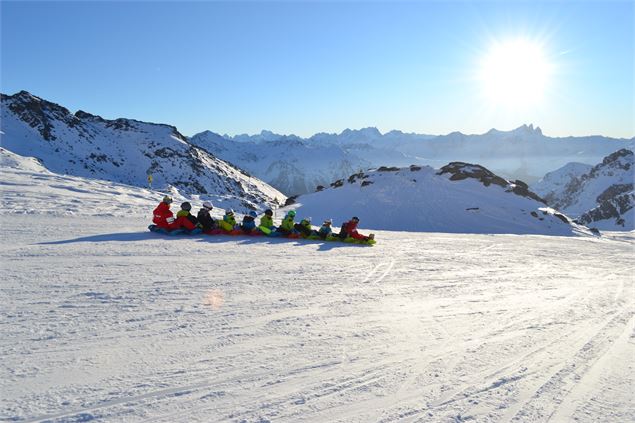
{"x":379,"y":272}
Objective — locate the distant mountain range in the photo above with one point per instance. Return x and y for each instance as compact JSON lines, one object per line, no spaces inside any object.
{"x":126,"y":151}
{"x":297,"y":165}
{"x":601,"y":196}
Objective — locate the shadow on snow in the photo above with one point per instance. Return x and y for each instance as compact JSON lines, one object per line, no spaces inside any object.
{"x":145,"y":236}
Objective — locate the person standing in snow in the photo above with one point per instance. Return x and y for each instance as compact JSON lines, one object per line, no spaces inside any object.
{"x":206,"y":221}
{"x":162,"y":215}
{"x":249,"y":222}
{"x":229,"y":221}
{"x":325,"y":229}
{"x":349,"y":229}
{"x":287,"y":224}
{"x":184,"y":219}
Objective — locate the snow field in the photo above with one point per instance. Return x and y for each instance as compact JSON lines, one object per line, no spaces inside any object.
{"x":103,"y":320}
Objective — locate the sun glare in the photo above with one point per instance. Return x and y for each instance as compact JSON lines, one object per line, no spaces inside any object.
{"x":514,"y":74}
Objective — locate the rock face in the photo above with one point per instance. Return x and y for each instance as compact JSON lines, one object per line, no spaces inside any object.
{"x":460,"y":171}
{"x":614,"y":203}
{"x":125,"y":151}
{"x":601,"y":196}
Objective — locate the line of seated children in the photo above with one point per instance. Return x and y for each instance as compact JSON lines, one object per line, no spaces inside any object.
{"x":164,"y":218}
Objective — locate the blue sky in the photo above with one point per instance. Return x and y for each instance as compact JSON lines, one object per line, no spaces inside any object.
{"x":307,"y":67}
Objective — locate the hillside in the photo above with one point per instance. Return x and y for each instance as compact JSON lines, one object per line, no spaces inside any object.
{"x":124,"y":151}
{"x":458,"y":198}
{"x":601,"y":196}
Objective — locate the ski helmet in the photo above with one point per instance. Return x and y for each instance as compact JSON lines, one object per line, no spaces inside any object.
{"x":328,"y":221}
{"x":186,"y":206}
{"x":167,"y":199}
{"x":230,"y":212}
{"x":355,"y":218}
{"x":208,"y":205}
{"x":291,"y":213}
{"x":269,"y":212}
{"x":253,"y":214}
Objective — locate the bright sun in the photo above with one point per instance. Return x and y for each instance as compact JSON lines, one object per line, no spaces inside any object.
{"x":514,"y":74}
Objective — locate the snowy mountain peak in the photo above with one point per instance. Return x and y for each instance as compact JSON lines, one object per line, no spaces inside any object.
{"x":600,"y":196}
{"x":622,"y":158}
{"x":37,"y":113}
{"x":367,"y":134}
{"x":528,"y":131}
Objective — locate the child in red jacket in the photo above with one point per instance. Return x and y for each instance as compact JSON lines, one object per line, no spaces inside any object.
{"x":162,"y":216}
{"x":350,"y":229}
{"x":184,"y":219}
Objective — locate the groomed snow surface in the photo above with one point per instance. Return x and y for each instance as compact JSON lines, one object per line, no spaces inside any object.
{"x":103,"y":320}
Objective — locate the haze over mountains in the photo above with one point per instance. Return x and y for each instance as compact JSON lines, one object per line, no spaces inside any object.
{"x":282,"y":160}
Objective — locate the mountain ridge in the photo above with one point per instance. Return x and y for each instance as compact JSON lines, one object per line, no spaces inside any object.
{"x":126,"y":151}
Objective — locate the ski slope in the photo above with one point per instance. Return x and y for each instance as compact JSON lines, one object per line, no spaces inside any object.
{"x":104,"y":320}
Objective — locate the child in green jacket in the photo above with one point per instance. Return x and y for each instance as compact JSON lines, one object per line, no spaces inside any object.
{"x":229,"y":221}
{"x":286,"y":227}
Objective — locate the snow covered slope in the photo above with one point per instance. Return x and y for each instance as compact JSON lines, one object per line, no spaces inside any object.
{"x":102,"y":320}
{"x":292,"y":165}
{"x":460,"y":198}
{"x":27,"y":187}
{"x":123,"y":151}
{"x":601,"y":196}
{"x":550,"y":186}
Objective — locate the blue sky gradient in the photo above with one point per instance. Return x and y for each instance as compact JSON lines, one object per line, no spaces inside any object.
{"x":307,"y":67}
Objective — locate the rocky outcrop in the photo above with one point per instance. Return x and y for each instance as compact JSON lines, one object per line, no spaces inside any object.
{"x":601,"y":196}
{"x":613,"y":204}
{"x":460,"y":171}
